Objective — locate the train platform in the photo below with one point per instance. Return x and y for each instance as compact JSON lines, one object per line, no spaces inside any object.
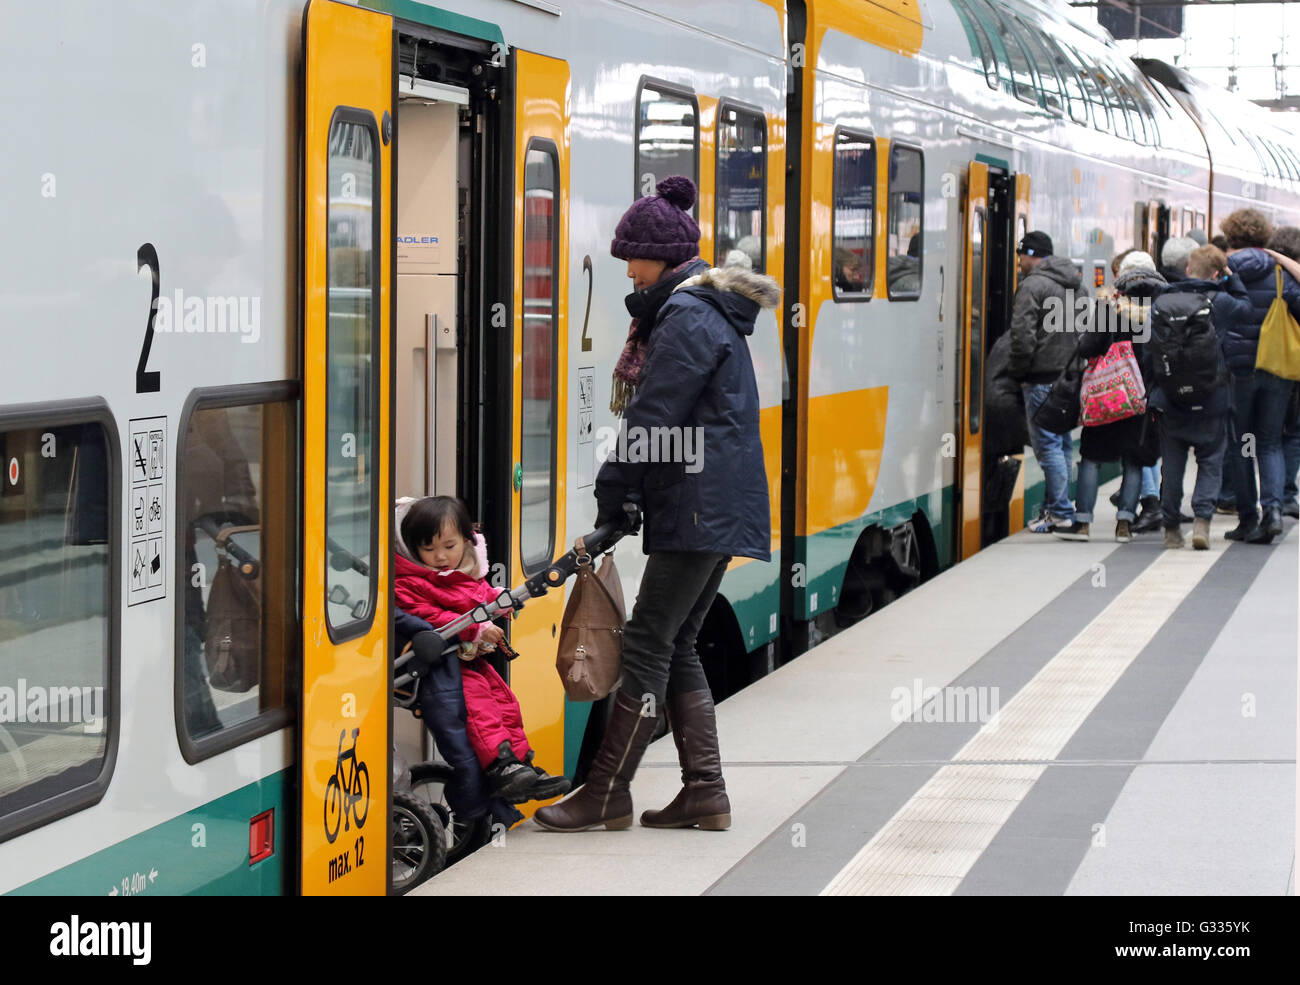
{"x":1046,"y":718}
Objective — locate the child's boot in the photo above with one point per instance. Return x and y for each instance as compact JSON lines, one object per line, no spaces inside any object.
{"x":510,"y":779}
{"x":547,"y":786}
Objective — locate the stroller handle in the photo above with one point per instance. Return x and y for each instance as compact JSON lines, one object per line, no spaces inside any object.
{"x":599,"y":541}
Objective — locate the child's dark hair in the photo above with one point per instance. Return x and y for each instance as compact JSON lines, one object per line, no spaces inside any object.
{"x":425,"y":520}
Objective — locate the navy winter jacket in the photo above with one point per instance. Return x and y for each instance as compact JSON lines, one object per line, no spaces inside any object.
{"x":1241,"y":338}
{"x":698,"y":380}
{"x":1229,"y":304}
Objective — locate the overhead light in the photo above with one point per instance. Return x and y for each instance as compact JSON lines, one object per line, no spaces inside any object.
{"x":409,"y":87}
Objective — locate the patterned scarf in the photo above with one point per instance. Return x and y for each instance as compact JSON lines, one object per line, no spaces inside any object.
{"x":631,"y":362}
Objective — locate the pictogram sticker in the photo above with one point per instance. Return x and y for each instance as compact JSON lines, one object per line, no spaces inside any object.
{"x":146,"y":521}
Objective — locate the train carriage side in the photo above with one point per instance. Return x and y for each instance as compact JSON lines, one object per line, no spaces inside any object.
{"x":149,"y":420}
{"x":887,"y":432}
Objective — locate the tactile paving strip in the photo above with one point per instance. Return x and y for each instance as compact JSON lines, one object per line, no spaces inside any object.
{"x":931,"y":843}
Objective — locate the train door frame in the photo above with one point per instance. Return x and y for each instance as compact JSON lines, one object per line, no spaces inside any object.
{"x":436,"y":60}
{"x":345,"y":717}
{"x":1008,"y":224}
{"x":999,"y":199}
{"x":450,"y":99}
{"x":540,"y":85}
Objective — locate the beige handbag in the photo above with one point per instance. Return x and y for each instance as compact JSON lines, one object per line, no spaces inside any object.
{"x":590,"y":654}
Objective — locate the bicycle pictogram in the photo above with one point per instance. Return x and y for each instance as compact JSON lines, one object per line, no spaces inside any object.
{"x":347,"y":795}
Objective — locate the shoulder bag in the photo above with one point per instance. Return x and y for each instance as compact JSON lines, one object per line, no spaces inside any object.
{"x":590,"y":655}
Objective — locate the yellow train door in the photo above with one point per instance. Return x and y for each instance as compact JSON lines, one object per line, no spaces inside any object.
{"x":344,"y":744}
{"x":969,"y":479}
{"x":538,"y":440}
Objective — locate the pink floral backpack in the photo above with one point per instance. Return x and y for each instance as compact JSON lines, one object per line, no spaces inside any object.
{"x":1112,"y":387}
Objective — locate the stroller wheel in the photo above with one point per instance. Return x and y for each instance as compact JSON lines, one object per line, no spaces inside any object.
{"x":419,"y":842}
{"x":428,"y":785}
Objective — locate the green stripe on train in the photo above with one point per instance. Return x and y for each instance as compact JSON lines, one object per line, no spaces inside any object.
{"x":826,"y":554}
{"x":201,"y":852}
{"x":419,"y":13}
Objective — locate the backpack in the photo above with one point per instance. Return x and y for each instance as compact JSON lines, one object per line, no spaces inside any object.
{"x":1184,"y":348}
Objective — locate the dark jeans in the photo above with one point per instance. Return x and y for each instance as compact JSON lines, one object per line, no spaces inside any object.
{"x":1209,"y":437}
{"x":659,"y":655}
{"x":1259,"y":402}
{"x":1291,"y":456}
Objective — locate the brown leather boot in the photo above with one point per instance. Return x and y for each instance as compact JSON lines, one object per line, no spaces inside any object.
{"x":703,"y":798}
{"x":605,"y":798}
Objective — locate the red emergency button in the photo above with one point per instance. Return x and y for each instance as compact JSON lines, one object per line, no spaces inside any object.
{"x":261,"y":837}
{"x":13,"y":471}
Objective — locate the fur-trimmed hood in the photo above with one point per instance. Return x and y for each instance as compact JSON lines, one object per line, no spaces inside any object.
{"x":759,"y":288}
{"x":734,"y":292}
{"x":475,"y":565}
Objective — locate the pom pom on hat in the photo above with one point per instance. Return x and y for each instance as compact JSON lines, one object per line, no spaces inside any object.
{"x":658,"y":227}
{"x":677,"y":190}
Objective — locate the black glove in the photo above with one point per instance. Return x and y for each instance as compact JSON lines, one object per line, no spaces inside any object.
{"x":632,"y":515}
{"x":429,"y":651}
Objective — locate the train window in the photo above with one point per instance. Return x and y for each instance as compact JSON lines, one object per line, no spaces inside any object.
{"x":1283,"y":161}
{"x":905,"y":218}
{"x":1189,"y":222}
{"x":1200,"y":220}
{"x":352,"y":386}
{"x":1119,"y":118}
{"x":667,"y":137}
{"x":741,"y":186}
{"x":1053,"y":92}
{"x":853,"y":216}
{"x":979,"y":42}
{"x":1290,"y":156}
{"x":1069,"y":72}
{"x":1133,"y":107}
{"x":1283,"y":166}
{"x":58,"y":615}
{"x":1265,"y":166}
{"x":539,"y":355}
{"x":1091,"y":86}
{"x":237,"y":516}
{"x":1022,"y":72}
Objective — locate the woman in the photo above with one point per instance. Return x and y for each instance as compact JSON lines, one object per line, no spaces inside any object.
{"x":1125,"y":318}
{"x":686,"y":367}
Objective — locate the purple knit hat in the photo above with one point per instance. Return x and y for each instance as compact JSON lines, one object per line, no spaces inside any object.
{"x":658,"y":227}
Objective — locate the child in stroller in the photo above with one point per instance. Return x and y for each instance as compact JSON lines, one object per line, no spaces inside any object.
{"x":441,"y":571}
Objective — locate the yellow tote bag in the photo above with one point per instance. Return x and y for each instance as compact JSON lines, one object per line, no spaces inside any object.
{"x":1279,"y":339}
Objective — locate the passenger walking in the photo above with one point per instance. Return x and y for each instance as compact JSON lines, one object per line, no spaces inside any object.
{"x":1284,"y":247}
{"x":1121,"y":319}
{"x":1037,"y":359}
{"x":441,"y":572}
{"x":686,"y":366}
{"x":1190,"y":381}
{"x":1259,"y":398}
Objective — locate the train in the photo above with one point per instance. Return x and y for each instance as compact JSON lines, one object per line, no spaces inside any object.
{"x":283,"y":263}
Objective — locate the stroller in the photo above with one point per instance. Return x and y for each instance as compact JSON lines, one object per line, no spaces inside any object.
{"x":442,"y":809}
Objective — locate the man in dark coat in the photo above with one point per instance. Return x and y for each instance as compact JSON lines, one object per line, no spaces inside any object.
{"x":686,"y":376}
{"x":1037,"y":357}
{"x":1259,"y":398}
{"x":1203,"y":427}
